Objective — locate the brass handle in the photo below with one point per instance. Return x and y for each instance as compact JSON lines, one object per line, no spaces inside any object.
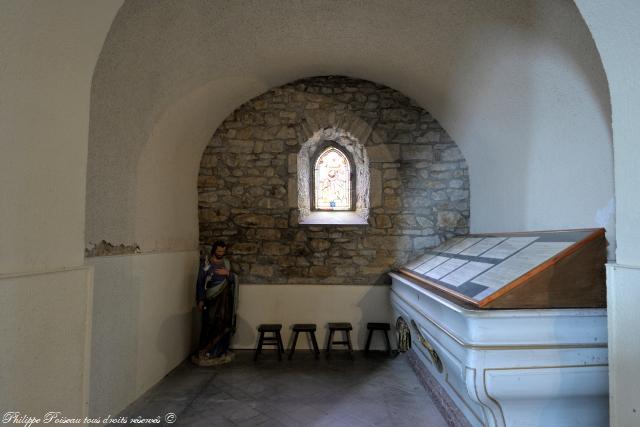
{"x":426,"y":344}
{"x":404,"y":335}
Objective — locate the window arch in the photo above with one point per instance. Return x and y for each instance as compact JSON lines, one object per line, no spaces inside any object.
{"x":333,"y":149}
{"x":333,"y":181}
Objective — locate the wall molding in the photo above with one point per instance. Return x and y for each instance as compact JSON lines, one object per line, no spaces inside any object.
{"x":45,"y":272}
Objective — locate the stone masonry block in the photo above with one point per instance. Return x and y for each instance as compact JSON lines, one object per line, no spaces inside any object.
{"x":417,"y":152}
{"x":384,"y":153}
{"x":375,"y":188}
{"x":292,"y":162}
{"x":292,"y":192}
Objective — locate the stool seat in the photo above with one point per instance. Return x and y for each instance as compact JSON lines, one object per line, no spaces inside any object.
{"x":304,"y":327}
{"x":379,"y":326}
{"x":275,"y":339}
{"x":269,"y":327}
{"x":346,"y":326}
{"x":309,"y":328}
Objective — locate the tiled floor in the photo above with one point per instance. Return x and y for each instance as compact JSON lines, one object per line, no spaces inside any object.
{"x":367,"y":391}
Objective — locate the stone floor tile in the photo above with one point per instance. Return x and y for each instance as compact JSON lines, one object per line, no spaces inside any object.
{"x":366,"y":391}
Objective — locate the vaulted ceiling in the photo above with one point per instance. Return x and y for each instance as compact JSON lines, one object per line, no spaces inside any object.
{"x":518,"y":84}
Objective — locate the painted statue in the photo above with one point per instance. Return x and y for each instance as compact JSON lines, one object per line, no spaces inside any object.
{"x":217,"y":300}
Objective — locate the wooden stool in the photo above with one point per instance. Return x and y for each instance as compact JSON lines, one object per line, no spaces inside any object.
{"x":378,"y":327}
{"x":274,"y":340}
{"x":309,"y":328}
{"x":344,"y":327}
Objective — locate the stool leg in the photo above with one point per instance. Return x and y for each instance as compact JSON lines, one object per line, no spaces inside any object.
{"x":315,"y":343}
{"x":259,"y":347}
{"x":366,"y":347}
{"x":279,"y":342}
{"x":386,"y":337}
{"x":349,"y":343}
{"x":329,"y":342}
{"x":293,"y":344}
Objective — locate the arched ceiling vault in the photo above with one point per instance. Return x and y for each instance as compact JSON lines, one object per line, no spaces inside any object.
{"x":518,"y":85}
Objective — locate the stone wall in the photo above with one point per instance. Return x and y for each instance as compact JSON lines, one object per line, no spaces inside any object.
{"x":419,"y":186}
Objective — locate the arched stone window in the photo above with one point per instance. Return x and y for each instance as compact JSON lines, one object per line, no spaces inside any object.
{"x":333,"y":179}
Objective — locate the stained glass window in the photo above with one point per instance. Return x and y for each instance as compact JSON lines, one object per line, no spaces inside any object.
{"x":332,"y":181}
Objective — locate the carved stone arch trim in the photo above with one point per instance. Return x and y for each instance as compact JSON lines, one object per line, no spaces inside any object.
{"x":321,"y":119}
{"x":347,"y":141}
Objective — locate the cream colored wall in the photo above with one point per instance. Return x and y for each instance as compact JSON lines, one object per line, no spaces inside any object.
{"x":616,"y":30}
{"x":319,"y":304}
{"x":623,"y":294}
{"x":620,"y":52}
{"x":167,"y":170}
{"x":48,"y":51}
{"x":142,"y":324}
{"x":45,"y":327}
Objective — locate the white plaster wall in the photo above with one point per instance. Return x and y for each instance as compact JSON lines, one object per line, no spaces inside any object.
{"x":167,"y":170}
{"x":616,"y":30}
{"x":517,"y":84}
{"x":623,"y":294}
{"x":45,"y":328}
{"x":620,"y":51}
{"x":538,"y":145}
{"x":319,"y":304}
{"x":142,"y":324}
{"x":48,"y":51}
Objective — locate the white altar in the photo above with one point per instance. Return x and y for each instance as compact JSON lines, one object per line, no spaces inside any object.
{"x":520,"y":367}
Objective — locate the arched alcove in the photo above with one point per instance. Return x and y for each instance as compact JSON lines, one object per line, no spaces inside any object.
{"x":254,"y":183}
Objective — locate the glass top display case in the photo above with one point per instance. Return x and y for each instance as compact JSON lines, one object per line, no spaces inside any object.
{"x":540,"y":269}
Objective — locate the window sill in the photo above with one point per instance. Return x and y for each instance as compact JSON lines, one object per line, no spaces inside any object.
{"x":333,"y":218}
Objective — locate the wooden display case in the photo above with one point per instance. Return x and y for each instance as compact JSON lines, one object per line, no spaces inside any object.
{"x":540,"y":269}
